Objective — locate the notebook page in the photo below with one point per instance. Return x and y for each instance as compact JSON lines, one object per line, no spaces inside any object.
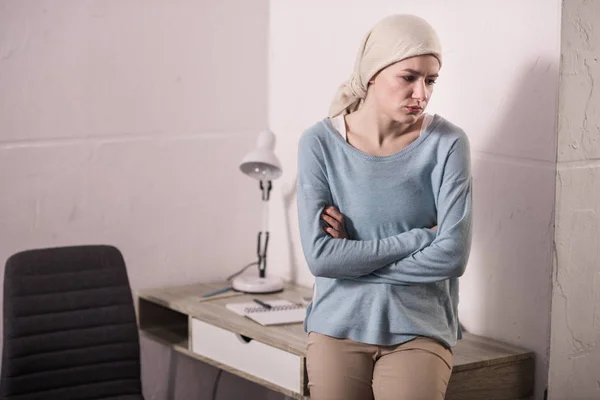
{"x":283,"y":312}
{"x":291,"y":316}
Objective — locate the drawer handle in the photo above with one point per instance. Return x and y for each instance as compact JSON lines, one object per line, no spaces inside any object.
{"x":244,"y":339}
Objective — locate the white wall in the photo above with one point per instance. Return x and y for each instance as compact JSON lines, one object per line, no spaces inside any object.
{"x":113,"y":115}
{"x":575,"y":344}
{"x":499,"y":83}
{"x":123,"y":122}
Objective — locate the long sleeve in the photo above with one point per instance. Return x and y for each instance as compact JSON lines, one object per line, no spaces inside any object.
{"x":446,"y":257}
{"x":341,"y":258}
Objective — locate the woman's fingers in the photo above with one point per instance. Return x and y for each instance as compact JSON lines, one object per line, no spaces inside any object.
{"x":334,"y":223}
{"x":332,"y":232}
{"x":335,"y":213}
{"x":335,"y":220}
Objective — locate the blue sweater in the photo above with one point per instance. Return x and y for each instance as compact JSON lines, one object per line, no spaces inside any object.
{"x":394,"y":278}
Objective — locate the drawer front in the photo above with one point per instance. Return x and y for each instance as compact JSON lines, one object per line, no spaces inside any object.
{"x":254,"y":358}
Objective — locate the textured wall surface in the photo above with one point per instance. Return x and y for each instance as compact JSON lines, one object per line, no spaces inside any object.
{"x":123,"y":122}
{"x":499,"y":82}
{"x":575,"y":340}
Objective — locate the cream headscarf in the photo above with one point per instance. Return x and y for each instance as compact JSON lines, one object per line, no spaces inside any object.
{"x":392,"y":39}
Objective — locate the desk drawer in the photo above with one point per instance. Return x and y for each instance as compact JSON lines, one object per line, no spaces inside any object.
{"x":254,"y":358}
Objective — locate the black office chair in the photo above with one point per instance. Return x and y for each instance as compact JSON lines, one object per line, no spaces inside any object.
{"x":70,"y":329}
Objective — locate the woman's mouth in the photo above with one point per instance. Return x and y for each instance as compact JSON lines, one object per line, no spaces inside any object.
{"x":414,"y":108}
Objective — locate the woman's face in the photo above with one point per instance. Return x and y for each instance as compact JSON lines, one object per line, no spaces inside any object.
{"x":402,"y":90}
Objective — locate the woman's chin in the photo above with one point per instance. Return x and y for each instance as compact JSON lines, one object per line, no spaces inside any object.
{"x":407,"y":118}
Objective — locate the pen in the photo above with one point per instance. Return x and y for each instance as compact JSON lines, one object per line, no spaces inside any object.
{"x":262,"y":303}
{"x":218,"y":291}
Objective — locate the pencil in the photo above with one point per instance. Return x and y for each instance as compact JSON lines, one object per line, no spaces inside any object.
{"x":218,"y":291}
{"x":262,"y":303}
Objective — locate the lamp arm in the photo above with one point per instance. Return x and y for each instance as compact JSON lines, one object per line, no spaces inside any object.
{"x":262,"y":257}
{"x":261,"y":251}
{"x":266,"y":190}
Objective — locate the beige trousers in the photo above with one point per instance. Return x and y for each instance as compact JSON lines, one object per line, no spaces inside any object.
{"x":347,"y":370}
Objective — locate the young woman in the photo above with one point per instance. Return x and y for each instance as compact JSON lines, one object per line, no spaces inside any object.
{"x":384,"y":204}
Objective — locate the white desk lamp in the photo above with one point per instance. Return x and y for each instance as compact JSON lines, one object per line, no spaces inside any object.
{"x":261,"y":164}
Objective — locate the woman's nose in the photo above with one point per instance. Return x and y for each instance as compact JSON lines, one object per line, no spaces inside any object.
{"x":420,"y":92}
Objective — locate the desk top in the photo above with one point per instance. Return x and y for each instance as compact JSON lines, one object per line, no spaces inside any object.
{"x":470,"y":352}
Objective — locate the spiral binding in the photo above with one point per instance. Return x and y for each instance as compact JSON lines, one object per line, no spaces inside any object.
{"x":250,"y":310}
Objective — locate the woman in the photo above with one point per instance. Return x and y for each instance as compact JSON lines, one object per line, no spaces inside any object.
{"x":384,"y":204}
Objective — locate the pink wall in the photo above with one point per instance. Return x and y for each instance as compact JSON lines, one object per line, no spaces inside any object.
{"x":123,"y":122}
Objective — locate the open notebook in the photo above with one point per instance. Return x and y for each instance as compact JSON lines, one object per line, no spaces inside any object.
{"x":282,"y":312}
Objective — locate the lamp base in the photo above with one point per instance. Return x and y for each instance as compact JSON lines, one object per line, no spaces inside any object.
{"x":254,"y":284}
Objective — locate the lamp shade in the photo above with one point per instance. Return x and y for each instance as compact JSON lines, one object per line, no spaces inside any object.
{"x":262,"y":163}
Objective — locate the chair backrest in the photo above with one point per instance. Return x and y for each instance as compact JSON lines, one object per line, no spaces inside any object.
{"x":70,"y":328}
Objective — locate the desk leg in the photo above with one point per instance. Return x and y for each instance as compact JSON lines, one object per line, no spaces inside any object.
{"x":172,"y":374}
{"x":304,"y":377}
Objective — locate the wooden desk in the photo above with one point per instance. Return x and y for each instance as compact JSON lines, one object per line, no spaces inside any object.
{"x":275,"y":356}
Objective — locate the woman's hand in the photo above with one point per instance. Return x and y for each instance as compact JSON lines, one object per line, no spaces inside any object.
{"x":335,"y":220}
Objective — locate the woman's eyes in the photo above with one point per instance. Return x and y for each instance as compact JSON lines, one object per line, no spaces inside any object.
{"x":411,"y":78}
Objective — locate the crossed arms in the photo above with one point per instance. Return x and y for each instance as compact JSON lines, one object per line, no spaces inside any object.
{"x":421,"y":255}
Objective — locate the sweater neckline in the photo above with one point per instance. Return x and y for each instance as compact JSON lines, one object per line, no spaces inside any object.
{"x":348,"y":147}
